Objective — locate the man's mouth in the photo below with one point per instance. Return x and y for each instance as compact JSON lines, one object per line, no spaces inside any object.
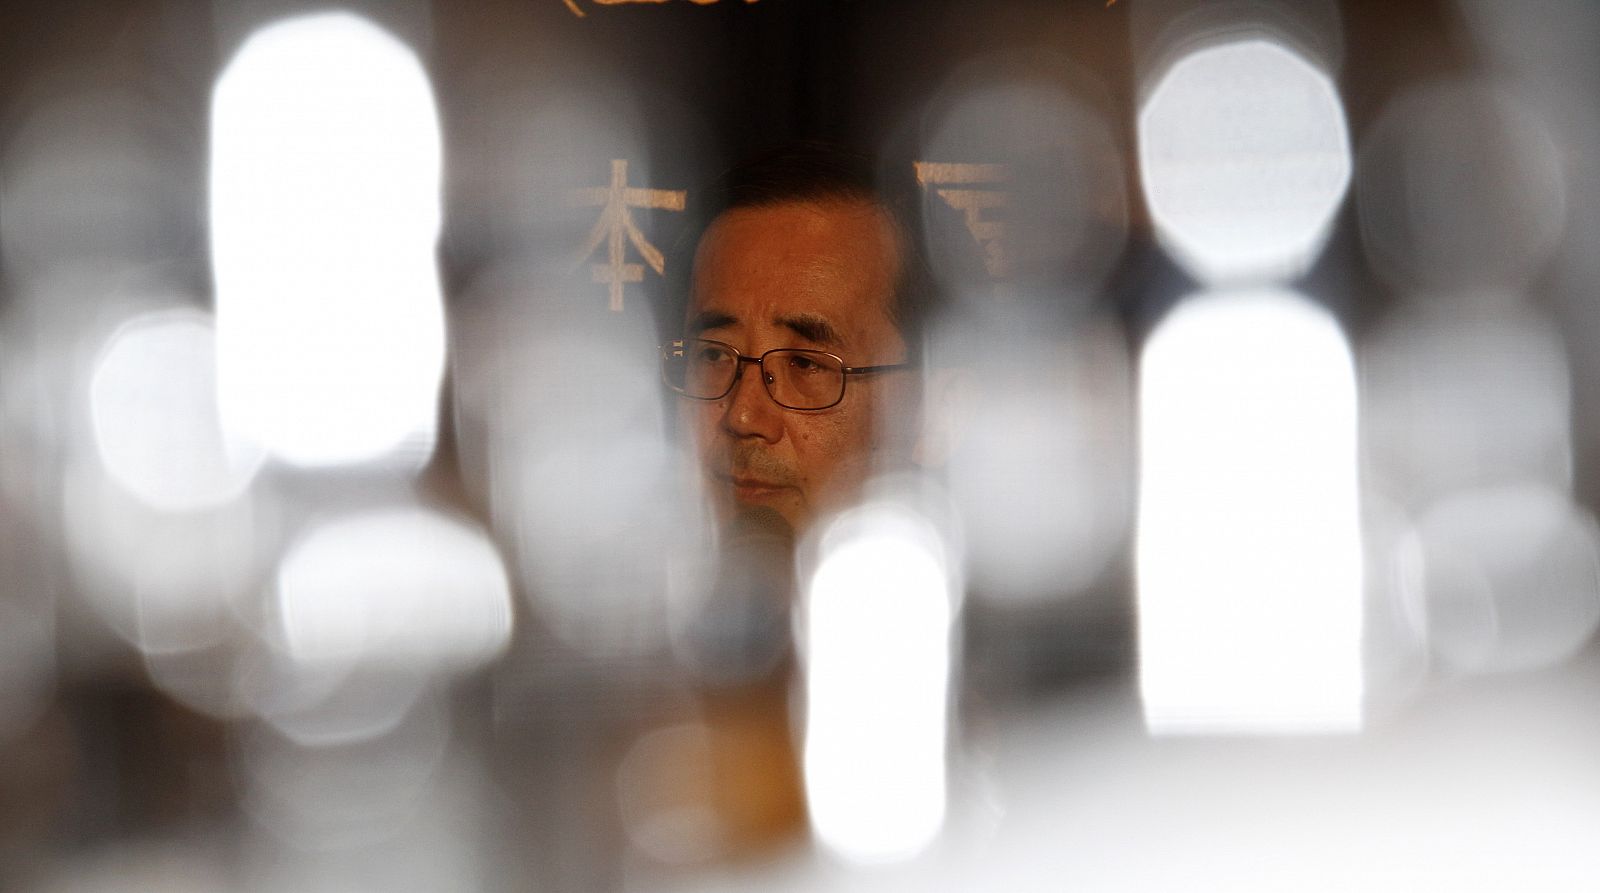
{"x":752,"y":476}
{"x":748,"y":489}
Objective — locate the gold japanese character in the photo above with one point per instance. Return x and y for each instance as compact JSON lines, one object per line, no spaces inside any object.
{"x":953,"y":183}
{"x":616,"y":223}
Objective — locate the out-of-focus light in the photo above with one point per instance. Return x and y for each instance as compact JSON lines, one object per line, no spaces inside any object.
{"x":1461,"y":186}
{"x":325,"y":156}
{"x":665,"y":788}
{"x":1034,"y":177}
{"x":1042,"y":468}
{"x":1245,"y":158}
{"x":1249,"y":556}
{"x":332,"y":797}
{"x":592,"y":536}
{"x":153,"y":402}
{"x":877,"y":626}
{"x":1504,"y":578}
{"x":326,"y":706}
{"x":1483,"y":788}
{"x":1394,"y":646}
{"x":1461,"y":396}
{"x":202,"y":679}
{"x":167,"y":582}
{"x":401,"y":587}
{"x":587,"y":506}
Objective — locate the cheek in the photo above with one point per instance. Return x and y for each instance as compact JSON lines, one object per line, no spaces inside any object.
{"x":827,"y":444}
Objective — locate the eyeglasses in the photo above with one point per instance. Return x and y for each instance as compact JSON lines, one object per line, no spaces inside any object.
{"x":794,"y":378}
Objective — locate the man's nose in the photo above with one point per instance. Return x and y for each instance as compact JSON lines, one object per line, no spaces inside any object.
{"x":750,"y":410}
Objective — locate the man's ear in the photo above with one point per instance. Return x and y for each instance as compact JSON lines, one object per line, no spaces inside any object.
{"x":949,"y":398}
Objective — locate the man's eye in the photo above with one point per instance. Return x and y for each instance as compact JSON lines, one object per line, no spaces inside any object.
{"x":802,"y":363}
{"x":709,"y":356}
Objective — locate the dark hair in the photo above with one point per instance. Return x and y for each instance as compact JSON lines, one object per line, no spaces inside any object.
{"x":800,"y":171}
{"x":813,"y":171}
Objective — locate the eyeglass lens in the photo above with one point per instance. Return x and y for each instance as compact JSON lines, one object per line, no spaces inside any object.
{"x":799,"y":379}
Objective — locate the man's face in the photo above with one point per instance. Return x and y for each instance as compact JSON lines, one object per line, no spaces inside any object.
{"x":810,"y":275}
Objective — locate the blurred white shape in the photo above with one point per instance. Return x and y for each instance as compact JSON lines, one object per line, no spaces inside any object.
{"x":1457,"y":395}
{"x":1506,"y":578}
{"x":877,"y":627}
{"x":580,"y":478}
{"x":167,"y":582}
{"x":1249,"y":556}
{"x":399,"y":587}
{"x":201,"y":679}
{"x":665,"y":789}
{"x":591,"y":534}
{"x":325,"y":706}
{"x":1245,"y":158}
{"x":1461,"y":186}
{"x":153,"y":402}
{"x":1394,"y":647}
{"x":1482,"y":788}
{"x":343,"y":794}
{"x":325,"y":157}
{"x":1042,"y":466}
{"x":379,"y":818}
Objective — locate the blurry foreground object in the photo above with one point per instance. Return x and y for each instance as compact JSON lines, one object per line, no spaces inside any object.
{"x":724,"y":784}
{"x":1249,"y":550}
{"x":1486,"y":562}
{"x":878,"y":614}
{"x":1025,"y":215}
{"x":1245,"y":159}
{"x":324,"y":215}
{"x":1249,"y":541}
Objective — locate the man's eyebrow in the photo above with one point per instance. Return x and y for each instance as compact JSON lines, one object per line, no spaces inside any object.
{"x":811,"y":327}
{"x":707,"y":320}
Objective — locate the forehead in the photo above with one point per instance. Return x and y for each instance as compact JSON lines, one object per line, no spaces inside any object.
{"x":837,"y":260}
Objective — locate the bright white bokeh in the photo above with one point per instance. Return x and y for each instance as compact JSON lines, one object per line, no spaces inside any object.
{"x":1245,"y":158}
{"x":153,"y":405}
{"x":1503,"y":578}
{"x":325,"y":194}
{"x":877,"y":626}
{"x":1249,"y":554}
{"x":167,"y":582}
{"x":403,"y":587}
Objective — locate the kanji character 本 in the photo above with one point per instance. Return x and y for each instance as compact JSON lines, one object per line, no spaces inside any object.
{"x":990,"y":234}
{"x":616,"y":222}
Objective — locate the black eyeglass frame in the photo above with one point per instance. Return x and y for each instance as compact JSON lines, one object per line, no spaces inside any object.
{"x":766,"y":380}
